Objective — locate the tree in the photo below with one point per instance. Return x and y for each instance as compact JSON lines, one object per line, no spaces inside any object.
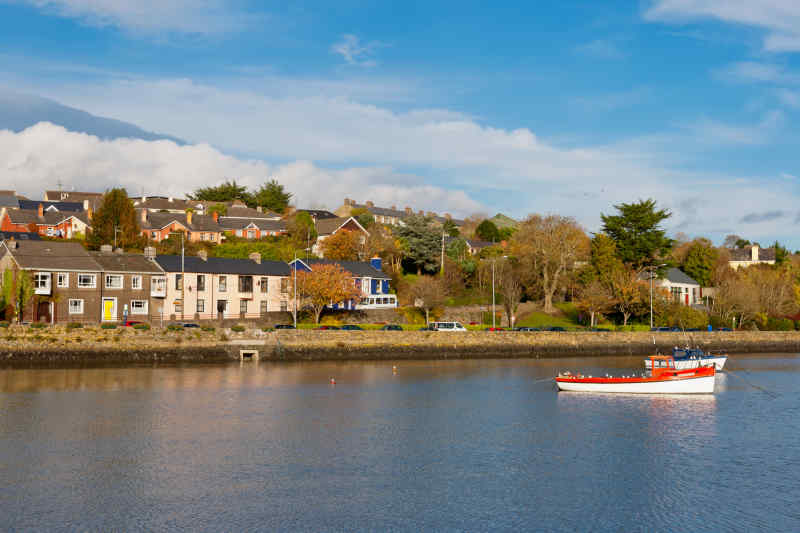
{"x":595,"y":299}
{"x":325,"y":284}
{"x":450,"y":228}
{"x":637,"y":232}
{"x":226,"y":192}
{"x":604,"y":259}
{"x":116,"y":217}
{"x":630,"y":294}
{"x":700,"y":261}
{"x":781,"y":254}
{"x":301,"y":229}
{"x":272,"y":196}
{"x":428,"y":293}
{"x":343,"y":245}
{"x":487,"y":231}
{"x":548,"y":247}
{"x":509,"y":280}
{"x":363,"y":216}
{"x":730,"y":241}
{"x":421,"y":242}
{"x":220,"y":209}
{"x":381,"y":242}
{"x":17,"y":291}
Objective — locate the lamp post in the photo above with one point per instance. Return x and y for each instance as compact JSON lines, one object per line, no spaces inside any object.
{"x":652,"y":275}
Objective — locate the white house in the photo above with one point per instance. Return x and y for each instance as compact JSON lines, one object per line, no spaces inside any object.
{"x":681,"y":287}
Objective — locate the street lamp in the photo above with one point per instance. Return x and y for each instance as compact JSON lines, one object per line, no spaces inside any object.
{"x":652,"y":275}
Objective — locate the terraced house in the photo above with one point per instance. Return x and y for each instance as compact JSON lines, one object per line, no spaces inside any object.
{"x":212,"y":288}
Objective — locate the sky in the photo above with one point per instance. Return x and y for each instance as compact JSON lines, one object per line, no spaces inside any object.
{"x":460,"y":107}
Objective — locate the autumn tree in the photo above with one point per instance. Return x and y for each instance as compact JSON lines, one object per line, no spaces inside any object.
{"x":595,"y":299}
{"x":271,"y":195}
{"x":428,"y":293}
{"x":343,"y":245}
{"x":115,"y":220}
{"x":548,"y":247}
{"x":324,"y":285}
{"x":301,"y":229}
{"x":636,"y":230}
{"x":421,"y":242}
{"x":630,"y":294}
{"x":383,"y":243}
{"x":17,"y":292}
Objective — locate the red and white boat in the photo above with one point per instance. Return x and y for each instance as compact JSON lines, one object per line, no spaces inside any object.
{"x":663,"y":378}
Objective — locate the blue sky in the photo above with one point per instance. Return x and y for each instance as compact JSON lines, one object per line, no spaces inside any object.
{"x":464,"y":107}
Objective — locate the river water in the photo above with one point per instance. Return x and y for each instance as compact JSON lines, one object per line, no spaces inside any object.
{"x":438,"y":445}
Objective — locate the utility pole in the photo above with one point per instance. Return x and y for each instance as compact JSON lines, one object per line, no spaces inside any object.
{"x":652,"y":275}
{"x":294,"y":307}
{"x":442,"y":269}
{"x":494,"y":262}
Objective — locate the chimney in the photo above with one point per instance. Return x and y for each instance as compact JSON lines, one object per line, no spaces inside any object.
{"x":12,"y":243}
{"x":41,"y":211}
{"x":376,"y":262}
{"x":189,"y":217}
{"x":754,"y":253}
{"x":421,"y":213}
{"x":255,"y":256}
{"x":370,"y":204}
{"x":86,"y":205}
{"x":394,"y":208}
{"x":144,"y":215}
{"x":408,"y":211}
{"x":260,"y":209}
{"x":169,"y":199}
{"x":202,"y":254}
{"x":150,"y":252}
{"x":216,"y":216}
{"x":89,"y":213}
{"x":144,"y":198}
{"x":347,"y":201}
{"x":105,"y":249}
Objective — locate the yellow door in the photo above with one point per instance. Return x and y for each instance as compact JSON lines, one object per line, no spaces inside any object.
{"x":108,"y":309}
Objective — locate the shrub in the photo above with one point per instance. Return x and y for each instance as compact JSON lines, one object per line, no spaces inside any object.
{"x":38,"y":325}
{"x":208,"y":328}
{"x":38,"y":338}
{"x":237,"y":328}
{"x":4,"y":324}
{"x":267,"y":329}
{"x":779,"y":324}
{"x":142,"y":326}
{"x":174,"y":327}
{"x":108,"y":326}
{"x":74,"y":325}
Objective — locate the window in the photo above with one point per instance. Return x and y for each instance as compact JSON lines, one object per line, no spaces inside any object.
{"x":201,"y":306}
{"x":245,"y":283}
{"x":238,"y":233}
{"x":284,"y":306}
{"x":223,"y":283}
{"x":201,"y":282}
{"x":138,"y":307}
{"x":264,"y":285}
{"x":154,"y":235}
{"x":113,"y":281}
{"x":62,"y":280}
{"x":284,"y":285}
{"x":178,"y":282}
{"x":213,"y":237}
{"x":76,"y":307}
{"x":41,"y":281}
{"x":87,"y":281}
{"x":136,"y":282}
{"x":263,"y":307}
{"x":158,"y":285}
{"x":222,"y":306}
{"x":251,"y":234}
{"x":243,"y":306}
{"x":178,"y":306}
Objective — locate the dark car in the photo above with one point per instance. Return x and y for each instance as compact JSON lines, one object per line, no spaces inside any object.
{"x":328,"y":328}
{"x":493,"y":329}
{"x":187,"y":324}
{"x":427,"y":328}
{"x":391,"y":327}
{"x":599,"y":329}
{"x":129,"y":323}
{"x":556,"y":328}
{"x":724,"y":329}
{"x":351,"y":327}
{"x":284,"y":326}
{"x":661,"y":328}
{"x":527,"y":328}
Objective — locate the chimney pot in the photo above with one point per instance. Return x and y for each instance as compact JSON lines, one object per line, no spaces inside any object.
{"x":408,"y":210}
{"x":41,"y":211}
{"x":150,"y":252}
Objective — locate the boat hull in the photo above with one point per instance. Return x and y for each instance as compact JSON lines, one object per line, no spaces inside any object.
{"x":689,"y":385}
{"x":685,"y":364}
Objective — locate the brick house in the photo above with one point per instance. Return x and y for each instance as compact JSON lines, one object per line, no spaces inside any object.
{"x":132,"y":287}
{"x":47,"y":222}
{"x":248,"y":223}
{"x":65,"y":278}
{"x":217,"y":287}
{"x":157,"y":226}
{"x":368,"y":277}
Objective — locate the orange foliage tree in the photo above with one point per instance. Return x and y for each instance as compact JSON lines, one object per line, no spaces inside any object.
{"x":343,"y":245}
{"x":324,"y":285}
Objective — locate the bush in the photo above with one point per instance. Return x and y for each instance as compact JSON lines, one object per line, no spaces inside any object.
{"x":108,"y":326}
{"x":141,"y":326}
{"x":208,"y":328}
{"x":237,"y":329}
{"x":682,"y":316}
{"x":174,"y":327}
{"x":779,"y":324}
{"x":38,"y":325}
{"x":74,"y":325}
{"x":4,"y":324}
{"x":267,"y":329}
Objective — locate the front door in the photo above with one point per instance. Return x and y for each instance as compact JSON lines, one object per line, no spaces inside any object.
{"x":43,"y":313}
{"x":109,"y":309}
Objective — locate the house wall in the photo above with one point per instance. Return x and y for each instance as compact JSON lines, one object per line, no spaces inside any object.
{"x":159,"y":235}
{"x":127,"y":293}
{"x":693,"y":291}
{"x":7,"y":225}
{"x":60,"y":298}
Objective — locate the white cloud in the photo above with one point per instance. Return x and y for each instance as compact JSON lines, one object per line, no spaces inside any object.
{"x":713,"y":132}
{"x":780,"y":18}
{"x":356,"y":53}
{"x":148,"y":16}
{"x":600,"y":49}
{"x":38,"y":157}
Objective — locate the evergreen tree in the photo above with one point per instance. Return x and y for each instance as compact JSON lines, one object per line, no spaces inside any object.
{"x":637,"y":232}
{"x":272,"y":196}
{"x":227,"y":192}
{"x":450,"y":228}
{"x":781,"y":253}
{"x":700,"y":261}
{"x":423,"y":244}
{"x":116,"y":217}
{"x":302,"y":231}
{"x":487,"y":231}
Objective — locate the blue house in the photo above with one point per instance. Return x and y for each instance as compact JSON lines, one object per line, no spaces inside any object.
{"x":368,"y":277}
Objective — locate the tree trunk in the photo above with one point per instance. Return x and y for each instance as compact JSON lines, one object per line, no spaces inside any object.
{"x":318,"y":314}
{"x":591,"y":320}
{"x":625,"y":317}
{"x":427,"y":321}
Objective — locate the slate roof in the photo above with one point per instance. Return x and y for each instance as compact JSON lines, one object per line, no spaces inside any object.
{"x":247,"y":212}
{"x":113,"y":262}
{"x":401,"y":214}
{"x":74,"y":196}
{"x":318,"y":214}
{"x":19,"y":236}
{"x":162,"y":220}
{"x":8,"y":200}
{"x":262,"y":224}
{"x":745,"y":254}
{"x":675,"y":275}
{"x":222,"y":265}
{"x":158,"y":203}
{"x":327,"y":226}
{"x":50,"y":218}
{"x":49,"y":255}
{"x":359,"y":269}
{"x":61,"y":206}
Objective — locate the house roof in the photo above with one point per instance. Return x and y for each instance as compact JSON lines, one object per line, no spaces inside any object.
{"x":19,"y":236}
{"x":60,"y":206}
{"x":360,"y":269}
{"x":8,"y":200}
{"x":49,"y":255}
{"x":73,"y":196}
{"x":327,"y":226}
{"x":222,"y":265}
{"x":113,"y":262}
{"x":49,"y":218}
{"x":746,"y":254}
{"x":675,"y":275}
{"x":247,"y":212}
{"x":262,"y":224}
{"x":401,"y":213}
{"x":162,"y":220}
{"x":475,"y":243}
{"x":158,"y":203}
{"x":318,"y":213}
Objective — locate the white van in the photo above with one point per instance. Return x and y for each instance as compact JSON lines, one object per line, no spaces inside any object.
{"x":447,"y":326}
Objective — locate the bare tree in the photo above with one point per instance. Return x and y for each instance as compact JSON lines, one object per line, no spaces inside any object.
{"x":548,"y":247}
{"x":595,"y":299}
{"x":510,"y":283}
{"x":428,"y":293}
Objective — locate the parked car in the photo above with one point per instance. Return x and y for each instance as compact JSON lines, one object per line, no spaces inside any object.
{"x":129,"y":323}
{"x":599,"y":329}
{"x":527,"y":328}
{"x":493,"y":329}
{"x":447,"y":326}
{"x":326,"y":328}
{"x":284,"y":326}
{"x":190,"y":325}
{"x":724,"y":329}
{"x":392,"y":327}
{"x":426,"y":328}
{"x":661,"y":328}
{"x":351,"y":327}
{"x":555,"y":328}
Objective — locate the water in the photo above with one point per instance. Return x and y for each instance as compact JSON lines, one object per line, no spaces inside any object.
{"x":440,"y":446}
